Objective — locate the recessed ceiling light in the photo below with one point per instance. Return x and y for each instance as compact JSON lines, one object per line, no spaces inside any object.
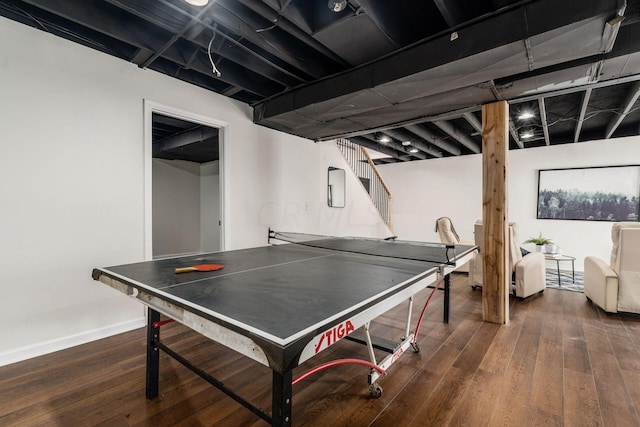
{"x":384,"y":138}
{"x":527,"y":134}
{"x":337,"y":5}
{"x":405,"y":143}
{"x":526,"y":115}
{"x":413,"y":150}
{"x":197,"y":2}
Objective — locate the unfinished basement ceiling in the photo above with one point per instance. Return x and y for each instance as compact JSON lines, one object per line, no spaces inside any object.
{"x":404,"y":77}
{"x":177,"y":139}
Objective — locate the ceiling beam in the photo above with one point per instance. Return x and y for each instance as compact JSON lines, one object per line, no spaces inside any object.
{"x":543,"y":120}
{"x":583,"y":111}
{"x":450,"y":12}
{"x":426,"y":148}
{"x":514,"y":134}
{"x":580,"y":88}
{"x":434,"y":139}
{"x":613,"y":26}
{"x":391,"y":144}
{"x":176,"y":36}
{"x":198,"y":134}
{"x":382,"y":160}
{"x":239,"y":55}
{"x":626,"y":106}
{"x":473,"y":121}
{"x":374,"y":145}
{"x":403,"y":136}
{"x":399,"y":147}
{"x":107,"y":21}
{"x":232,"y":91}
{"x":233,"y":16}
{"x":141,"y":56}
{"x":284,"y":24}
{"x":438,"y":51}
{"x":467,"y":112}
{"x":275,"y":45}
{"x":449,"y":115}
{"x":625,"y":44}
{"x":235,"y":75}
{"x":458,"y":135}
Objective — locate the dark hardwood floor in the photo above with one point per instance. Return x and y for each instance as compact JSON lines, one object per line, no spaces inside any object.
{"x":559,"y":362}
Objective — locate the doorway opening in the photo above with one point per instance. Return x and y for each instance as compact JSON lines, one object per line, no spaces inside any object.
{"x":184,"y":183}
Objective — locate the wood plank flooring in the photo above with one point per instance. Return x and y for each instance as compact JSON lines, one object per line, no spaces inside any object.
{"x":559,"y":362}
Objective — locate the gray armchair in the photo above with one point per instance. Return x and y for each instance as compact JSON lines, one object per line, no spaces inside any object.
{"x":529,"y":275}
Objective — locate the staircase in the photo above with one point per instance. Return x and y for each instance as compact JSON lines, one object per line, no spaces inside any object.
{"x":366,"y":171}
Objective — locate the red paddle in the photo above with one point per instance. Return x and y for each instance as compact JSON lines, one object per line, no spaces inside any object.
{"x":201,"y":267}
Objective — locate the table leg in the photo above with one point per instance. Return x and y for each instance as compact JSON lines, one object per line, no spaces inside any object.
{"x":573,"y":271}
{"x":447,"y":295}
{"x":559,"y":279}
{"x":281,"y":399}
{"x":153,"y":354}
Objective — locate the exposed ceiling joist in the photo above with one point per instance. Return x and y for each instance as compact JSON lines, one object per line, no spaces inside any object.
{"x":177,"y":35}
{"x":405,"y":138}
{"x":420,"y":72}
{"x":450,"y":12}
{"x":390,"y":143}
{"x":458,"y":135}
{"x":469,"y":117}
{"x":427,"y":135}
{"x":514,"y":134}
{"x":109,"y":22}
{"x":387,"y":77}
{"x":379,"y":148}
{"x":543,"y":118}
{"x":281,"y":22}
{"x":583,"y":111}
{"x":626,"y":106}
{"x":198,"y":134}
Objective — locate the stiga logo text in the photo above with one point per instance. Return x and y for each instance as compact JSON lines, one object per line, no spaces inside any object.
{"x":334,"y":334}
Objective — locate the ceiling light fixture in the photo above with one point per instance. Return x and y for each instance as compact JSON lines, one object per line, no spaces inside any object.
{"x":337,"y":5}
{"x":413,"y":150}
{"x":384,"y":138}
{"x":526,"y":135}
{"x":526,"y":115}
{"x":405,"y":143}
{"x":197,"y":2}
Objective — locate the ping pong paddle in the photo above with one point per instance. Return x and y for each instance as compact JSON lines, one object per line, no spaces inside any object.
{"x":200,"y":267}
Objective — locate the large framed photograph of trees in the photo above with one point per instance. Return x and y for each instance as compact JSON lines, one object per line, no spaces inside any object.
{"x":607,"y":193}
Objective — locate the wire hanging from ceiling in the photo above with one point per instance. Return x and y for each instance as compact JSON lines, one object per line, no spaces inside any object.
{"x":214,"y":69}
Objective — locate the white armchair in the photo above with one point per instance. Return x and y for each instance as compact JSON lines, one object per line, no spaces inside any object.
{"x":528,"y":272}
{"x":448,"y":235}
{"x":616,"y":287}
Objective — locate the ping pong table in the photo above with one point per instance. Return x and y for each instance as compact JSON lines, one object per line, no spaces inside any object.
{"x":283,"y":303}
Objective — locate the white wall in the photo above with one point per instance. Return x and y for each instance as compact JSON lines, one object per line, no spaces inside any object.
{"x":186,"y":207}
{"x":73,"y":190}
{"x":426,"y":190}
{"x":176,"y":207}
{"x":297,"y":194}
{"x":210,"y":206}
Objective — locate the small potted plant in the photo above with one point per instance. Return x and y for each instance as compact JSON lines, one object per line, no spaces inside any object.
{"x":542,"y":244}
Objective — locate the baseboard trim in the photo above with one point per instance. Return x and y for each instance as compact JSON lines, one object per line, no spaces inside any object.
{"x":40,"y":349}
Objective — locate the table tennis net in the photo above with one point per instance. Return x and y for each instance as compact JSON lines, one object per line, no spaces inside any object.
{"x":400,"y":249}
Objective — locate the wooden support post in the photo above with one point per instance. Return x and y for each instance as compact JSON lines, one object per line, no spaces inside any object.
{"x":496,"y":277}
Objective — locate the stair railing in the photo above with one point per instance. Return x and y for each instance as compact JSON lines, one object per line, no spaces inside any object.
{"x":365,"y":169}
